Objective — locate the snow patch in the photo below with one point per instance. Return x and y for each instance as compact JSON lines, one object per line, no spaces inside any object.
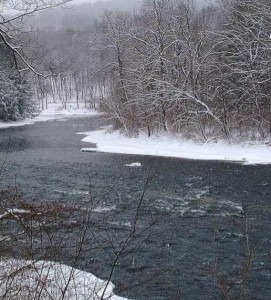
{"x":23,"y":279}
{"x":54,"y":111}
{"x":172,"y":147}
{"x":136,"y":164}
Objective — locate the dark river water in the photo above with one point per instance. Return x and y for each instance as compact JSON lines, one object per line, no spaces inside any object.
{"x":196,"y":225}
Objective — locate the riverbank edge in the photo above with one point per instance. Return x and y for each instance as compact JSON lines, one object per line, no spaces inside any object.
{"x":53,"y":112}
{"x":246,"y":153}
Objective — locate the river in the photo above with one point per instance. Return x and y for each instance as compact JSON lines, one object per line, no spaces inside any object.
{"x":204,"y":215}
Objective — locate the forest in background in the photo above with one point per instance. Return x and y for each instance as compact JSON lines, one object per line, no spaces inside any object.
{"x":164,"y":66}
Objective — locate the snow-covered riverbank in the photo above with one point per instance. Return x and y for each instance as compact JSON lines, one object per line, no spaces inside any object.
{"x":245,"y":153}
{"x":50,"y":280}
{"x":55,"y":111}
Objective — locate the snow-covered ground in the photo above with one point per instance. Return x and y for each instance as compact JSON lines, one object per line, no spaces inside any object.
{"x":44,"y":280}
{"x":54,"y":112}
{"x":172,"y":147}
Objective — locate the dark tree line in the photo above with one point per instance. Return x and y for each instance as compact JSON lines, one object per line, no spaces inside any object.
{"x":170,"y":66}
{"x":16,"y":86}
{"x":175,"y":67}
{"x":63,"y":49}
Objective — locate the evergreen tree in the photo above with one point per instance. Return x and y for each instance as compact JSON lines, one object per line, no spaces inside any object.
{"x":15,"y":91}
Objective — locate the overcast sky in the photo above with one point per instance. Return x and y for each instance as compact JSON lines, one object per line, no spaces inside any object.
{"x":93,"y":1}
{"x":89,"y":1}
